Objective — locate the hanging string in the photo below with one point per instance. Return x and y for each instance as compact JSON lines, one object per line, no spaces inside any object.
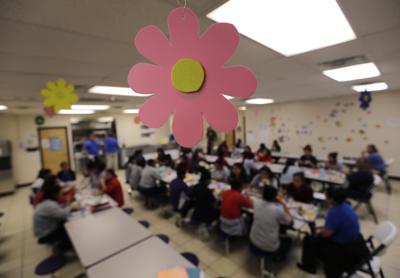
{"x":184,"y":6}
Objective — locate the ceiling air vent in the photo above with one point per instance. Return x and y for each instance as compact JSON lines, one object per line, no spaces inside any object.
{"x":342,"y":62}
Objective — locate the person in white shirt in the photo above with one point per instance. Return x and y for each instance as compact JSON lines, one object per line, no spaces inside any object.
{"x":269,"y":214}
{"x":221,"y":172}
{"x":288,"y":172}
{"x":148,"y":185}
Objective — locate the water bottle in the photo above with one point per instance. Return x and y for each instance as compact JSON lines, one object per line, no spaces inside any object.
{"x":82,"y":209}
{"x":322,"y":173}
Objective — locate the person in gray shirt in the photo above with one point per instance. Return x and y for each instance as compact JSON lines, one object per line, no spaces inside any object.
{"x":148,"y":185}
{"x":269,"y":214}
{"x":49,"y":217}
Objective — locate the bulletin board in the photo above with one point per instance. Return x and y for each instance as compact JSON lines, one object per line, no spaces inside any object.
{"x":54,"y":147}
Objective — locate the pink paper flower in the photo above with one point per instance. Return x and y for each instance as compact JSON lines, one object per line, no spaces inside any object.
{"x":189,"y":78}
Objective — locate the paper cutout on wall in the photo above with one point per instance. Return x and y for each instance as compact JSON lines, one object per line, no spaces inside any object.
{"x":349,"y":139}
{"x":365,"y":99}
{"x":136,"y":120}
{"x":364,"y":125}
{"x":365,"y":138}
{"x":361,"y":131}
{"x":336,"y":138}
{"x":39,"y":120}
{"x":344,"y":110}
{"x":333,"y":113}
{"x":182,"y":91}
{"x":272,"y":122}
{"x":386,"y":141}
{"x":337,"y":103}
{"x":377,"y":125}
{"x":321,"y":139}
{"x":339,"y":124}
{"x":369,"y":112}
{"x":325,"y":120}
{"x":49,"y":111}
{"x":59,"y":95}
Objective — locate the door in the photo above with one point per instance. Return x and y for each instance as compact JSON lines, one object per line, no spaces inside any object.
{"x":230,"y":139}
{"x":54,"y":147}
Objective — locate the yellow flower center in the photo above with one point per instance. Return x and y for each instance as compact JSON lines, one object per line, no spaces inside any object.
{"x":187,"y":75}
{"x":60,"y":94}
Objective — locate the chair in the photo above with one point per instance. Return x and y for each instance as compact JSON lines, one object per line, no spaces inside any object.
{"x":163,"y":237}
{"x":50,"y":265}
{"x":366,"y":199}
{"x":128,"y":210}
{"x":144,"y":223}
{"x":227,"y":241}
{"x":384,"y":235}
{"x":191,"y":258}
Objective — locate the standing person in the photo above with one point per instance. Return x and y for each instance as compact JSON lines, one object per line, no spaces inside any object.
{"x":111,"y":150}
{"x":66,"y":174}
{"x":339,"y":245}
{"x":269,"y":214}
{"x":112,"y":187}
{"x":211,"y":138}
{"x":308,"y":159}
{"x":91,"y":151}
{"x":276,"y":147}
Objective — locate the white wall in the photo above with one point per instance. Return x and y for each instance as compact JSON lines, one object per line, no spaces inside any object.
{"x":347,"y":131}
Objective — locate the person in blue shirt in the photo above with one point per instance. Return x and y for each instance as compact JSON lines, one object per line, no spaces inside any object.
{"x":375,"y":159}
{"x":339,"y":244}
{"x":180,"y":194}
{"x":92,"y":147}
{"x":111,"y":150}
{"x":66,"y":174}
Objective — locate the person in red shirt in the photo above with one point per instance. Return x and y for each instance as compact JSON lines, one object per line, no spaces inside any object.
{"x":232,"y":202}
{"x":113,"y":187}
{"x":264,"y":154}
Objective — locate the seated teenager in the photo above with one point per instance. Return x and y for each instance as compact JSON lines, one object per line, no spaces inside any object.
{"x":238,"y":175}
{"x":269,"y":214}
{"x":205,"y":210}
{"x":333,"y":163}
{"x":263,"y":154}
{"x":169,"y":162}
{"x":375,"y":159}
{"x":232,"y":202}
{"x":360,"y":181}
{"x":66,"y":174}
{"x":37,"y":184}
{"x":148,"y":181}
{"x":276,"y":147}
{"x":300,"y":189}
{"x":308,"y":159}
{"x":223,"y":150}
{"x":179,"y":192}
{"x":264,"y":177}
{"x":221,"y":172}
{"x":288,"y":171}
{"x":112,"y":187}
{"x":161,"y":159}
{"x":248,"y":161}
{"x":133,"y":172}
{"x":197,"y":159}
{"x":49,"y":217}
{"x":338,"y":245}
{"x":97,"y":174}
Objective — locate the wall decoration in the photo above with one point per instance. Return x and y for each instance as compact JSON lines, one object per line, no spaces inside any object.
{"x":333,"y":113}
{"x":189,"y":76}
{"x":272,"y":121}
{"x":365,"y":138}
{"x":365,"y":99}
{"x":39,"y":120}
{"x":349,"y":139}
{"x":321,"y":139}
{"x":136,"y":120}
{"x":386,"y":141}
{"x":361,"y":131}
{"x":49,"y":111}
{"x":339,"y":124}
{"x":59,"y":95}
{"x":377,"y":125}
{"x":344,"y":110}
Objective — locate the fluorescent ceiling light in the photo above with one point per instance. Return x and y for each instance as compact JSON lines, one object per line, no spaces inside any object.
{"x":89,"y":107}
{"x":289,"y":27}
{"x":118,"y":91}
{"x":3,"y":107}
{"x":75,"y":112}
{"x":228,"y":97}
{"x":259,"y":101}
{"x":360,"y":71}
{"x":131,"y":111}
{"x":105,"y":119}
{"x":242,"y":108}
{"x":379,"y":86}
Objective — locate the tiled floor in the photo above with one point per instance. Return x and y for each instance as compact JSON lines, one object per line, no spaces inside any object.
{"x":19,"y":252}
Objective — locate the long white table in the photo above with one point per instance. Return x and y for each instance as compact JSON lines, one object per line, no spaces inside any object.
{"x":143,"y":260}
{"x":98,"y":236}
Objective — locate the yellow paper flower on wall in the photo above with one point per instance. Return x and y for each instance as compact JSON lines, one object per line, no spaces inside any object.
{"x":59,"y":94}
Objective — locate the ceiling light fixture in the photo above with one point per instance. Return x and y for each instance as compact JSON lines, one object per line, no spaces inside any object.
{"x":242,"y":108}
{"x":289,"y":27}
{"x":259,"y":101}
{"x":117,"y":91}
{"x":378,"y":86}
{"x":75,"y":112}
{"x":89,"y":107}
{"x":3,"y":107}
{"x":355,"y":72}
{"x":131,"y":111}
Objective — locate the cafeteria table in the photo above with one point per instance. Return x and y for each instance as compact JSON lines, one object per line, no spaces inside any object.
{"x":143,"y":260}
{"x":98,"y":236}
